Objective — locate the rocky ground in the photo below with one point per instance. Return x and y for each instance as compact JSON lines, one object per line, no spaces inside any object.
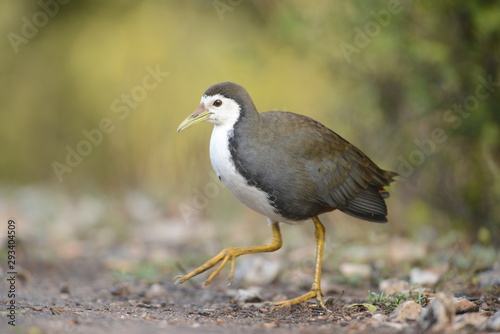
{"x":78,"y":275}
{"x":84,"y":296}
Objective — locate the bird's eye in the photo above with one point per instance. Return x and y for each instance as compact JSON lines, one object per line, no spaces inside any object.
{"x":217,"y":103}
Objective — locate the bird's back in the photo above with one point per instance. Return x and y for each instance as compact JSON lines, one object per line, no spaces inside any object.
{"x":307,"y":169}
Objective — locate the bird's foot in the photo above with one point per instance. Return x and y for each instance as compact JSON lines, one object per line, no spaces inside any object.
{"x":228,"y":254}
{"x":314,"y":293}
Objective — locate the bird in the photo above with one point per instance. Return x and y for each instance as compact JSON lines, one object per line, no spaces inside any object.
{"x":288,"y":167}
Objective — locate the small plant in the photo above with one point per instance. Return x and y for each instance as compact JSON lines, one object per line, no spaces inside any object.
{"x":388,"y":302}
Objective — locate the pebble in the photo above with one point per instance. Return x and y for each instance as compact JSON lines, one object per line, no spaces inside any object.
{"x":424,"y":277}
{"x":464,"y":306}
{"x":156,"y":290}
{"x":120,"y":290}
{"x":392,"y":285}
{"x":494,"y":322}
{"x":407,"y":311}
{"x":249,"y":295}
{"x":270,"y":324}
{"x":439,"y":314}
{"x":379,"y":317}
{"x":406,"y":251}
{"x":476,"y":320}
{"x":258,"y":270}
{"x":489,"y":278}
{"x":349,"y":269}
{"x":64,"y":289}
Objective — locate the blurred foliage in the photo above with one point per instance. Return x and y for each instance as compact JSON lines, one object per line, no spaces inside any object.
{"x":405,"y":81}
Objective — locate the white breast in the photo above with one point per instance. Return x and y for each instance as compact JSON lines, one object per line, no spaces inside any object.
{"x":223,"y":165}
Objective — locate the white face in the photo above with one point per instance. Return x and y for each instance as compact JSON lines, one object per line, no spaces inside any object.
{"x":223,"y":111}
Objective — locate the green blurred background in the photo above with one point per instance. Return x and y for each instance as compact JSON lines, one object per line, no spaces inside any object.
{"x":414,"y":84}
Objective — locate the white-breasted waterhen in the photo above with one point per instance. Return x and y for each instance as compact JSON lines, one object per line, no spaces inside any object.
{"x":288,"y":167}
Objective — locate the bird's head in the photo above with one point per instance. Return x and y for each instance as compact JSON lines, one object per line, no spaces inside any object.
{"x":222,"y":104}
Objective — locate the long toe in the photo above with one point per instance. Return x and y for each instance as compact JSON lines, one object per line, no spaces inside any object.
{"x":301,"y":299}
{"x":179,"y":279}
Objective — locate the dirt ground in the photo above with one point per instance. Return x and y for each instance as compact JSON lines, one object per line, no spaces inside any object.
{"x":83,"y":296}
{"x":76,"y":274}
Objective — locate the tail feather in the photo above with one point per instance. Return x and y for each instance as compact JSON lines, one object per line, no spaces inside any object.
{"x":368,"y":205}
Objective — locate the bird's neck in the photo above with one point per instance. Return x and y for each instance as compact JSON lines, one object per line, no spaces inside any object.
{"x":248,"y":121}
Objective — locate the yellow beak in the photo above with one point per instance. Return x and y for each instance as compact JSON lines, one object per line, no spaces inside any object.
{"x":198,"y":116}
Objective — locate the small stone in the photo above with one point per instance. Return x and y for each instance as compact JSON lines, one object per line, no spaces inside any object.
{"x":439,"y":314}
{"x":156,"y":287}
{"x":494,"y":322}
{"x":464,"y":306}
{"x":356,"y":270}
{"x":250,"y":295}
{"x":424,"y":277}
{"x":134,"y":303}
{"x":476,"y":320}
{"x":392,"y":285}
{"x":379,"y":317}
{"x":489,"y":278}
{"x":156,"y":290}
{"x":270,"y":324}
{"x":407,"y":311}
{"x":258,"y":271}
{"x":405,"y":251}
{"x":120,"y":291}
{"x":64,"y":289}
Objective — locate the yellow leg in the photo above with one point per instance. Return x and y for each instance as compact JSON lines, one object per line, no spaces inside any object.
{"x":229,"y":254}
{"x":316,"y":288}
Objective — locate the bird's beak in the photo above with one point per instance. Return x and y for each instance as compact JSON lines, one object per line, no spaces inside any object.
{"x":199,"y":115}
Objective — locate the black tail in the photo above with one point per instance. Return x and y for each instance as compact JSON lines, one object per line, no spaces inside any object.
{"x":368,"y":205}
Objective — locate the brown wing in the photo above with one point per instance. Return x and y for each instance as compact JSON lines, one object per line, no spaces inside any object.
{"x":355,"y":185}
{"x":343,"y":176}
